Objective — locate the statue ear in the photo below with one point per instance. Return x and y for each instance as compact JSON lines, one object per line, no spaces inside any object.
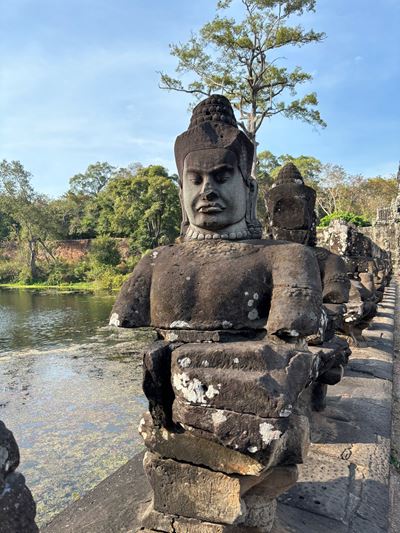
{"x":185,"y":219}
{"x":253,"y":225}
{"x":312,"y":239}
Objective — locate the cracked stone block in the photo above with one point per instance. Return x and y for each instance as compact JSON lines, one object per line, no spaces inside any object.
{"x":194,"y":492}
{"x":186,"y":447}
{"x":267,"y":440}
{"x":156,"y":521}
{"x":183,"y":491}
{"x":254,"y":377}
{"x":242,"y":432}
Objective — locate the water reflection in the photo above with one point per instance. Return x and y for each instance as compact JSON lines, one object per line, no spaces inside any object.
{"x":70,"y":390}
{"x":31,"y":319}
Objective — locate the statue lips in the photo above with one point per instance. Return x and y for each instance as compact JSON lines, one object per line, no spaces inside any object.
{"x":210,"y":208}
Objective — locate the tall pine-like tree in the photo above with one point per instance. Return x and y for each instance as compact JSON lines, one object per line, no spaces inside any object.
{"x":242,"y":59}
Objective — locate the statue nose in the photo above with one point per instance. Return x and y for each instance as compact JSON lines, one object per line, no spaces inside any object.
{"x":210,"y":195}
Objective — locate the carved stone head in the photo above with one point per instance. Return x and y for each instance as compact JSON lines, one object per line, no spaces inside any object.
{"x":291,"y":205}
{"x":214,"y":159}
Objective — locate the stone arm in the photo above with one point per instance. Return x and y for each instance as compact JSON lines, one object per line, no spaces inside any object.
{"x":335,"y":281}
{"x":296,"y":304}
{"x":132,"y":307}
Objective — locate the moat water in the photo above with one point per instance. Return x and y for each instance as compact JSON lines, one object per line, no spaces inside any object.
{"x":70,"y":390}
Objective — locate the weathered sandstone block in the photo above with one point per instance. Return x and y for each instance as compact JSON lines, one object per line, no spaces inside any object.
{"x":253,"y":377}
{"x":194,"y":492}
{"x":185,"y":447}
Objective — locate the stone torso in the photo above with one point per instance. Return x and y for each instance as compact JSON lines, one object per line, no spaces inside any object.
{"x":224,"y":285}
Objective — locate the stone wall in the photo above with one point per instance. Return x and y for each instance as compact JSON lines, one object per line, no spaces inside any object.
{"x":387,"y":236}
{"x":72,"y":251}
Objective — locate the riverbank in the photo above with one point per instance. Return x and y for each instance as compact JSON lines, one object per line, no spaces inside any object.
{"x":82,"y":286}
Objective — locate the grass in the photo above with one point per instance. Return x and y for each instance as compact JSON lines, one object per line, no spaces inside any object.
{"x":81,"y":286}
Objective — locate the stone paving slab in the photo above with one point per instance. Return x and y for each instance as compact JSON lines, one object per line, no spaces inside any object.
{"x":346,"y":475}
{"x":343,"y":486}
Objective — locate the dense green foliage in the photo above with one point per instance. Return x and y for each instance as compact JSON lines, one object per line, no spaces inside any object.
{"x":144,"y":206}
{"x":243,"y":59}
{"x":104,"y":204}
{"x":357,"y":220}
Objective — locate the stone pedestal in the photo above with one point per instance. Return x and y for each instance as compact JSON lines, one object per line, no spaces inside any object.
{"x":191,"y":498}
{"x":226,"y":434}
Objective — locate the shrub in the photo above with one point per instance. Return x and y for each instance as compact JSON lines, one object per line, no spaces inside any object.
{"x":9,"y":271}
{"x":104,"y":251}
{"x":25,"y":275}
{"x":105,"y":277}
{"x":357,"y":220}
{"x":60,"y":272}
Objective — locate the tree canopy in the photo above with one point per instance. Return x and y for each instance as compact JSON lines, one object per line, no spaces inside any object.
{"x":143,"y":206}
{"x":30,"y":214}
{"x":93,"y":180}
{"x":242,"y":58}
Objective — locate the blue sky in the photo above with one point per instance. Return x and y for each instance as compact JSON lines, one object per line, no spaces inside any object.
{"x":79,"y":84}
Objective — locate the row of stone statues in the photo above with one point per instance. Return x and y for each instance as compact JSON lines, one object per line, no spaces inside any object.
{"x":369,"y":269}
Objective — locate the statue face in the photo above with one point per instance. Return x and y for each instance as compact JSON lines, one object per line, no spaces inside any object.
{"x":292,"y":213}
{"x":214,"y":192}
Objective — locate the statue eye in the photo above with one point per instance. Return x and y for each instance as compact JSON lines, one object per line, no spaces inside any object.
{"x":222,"y":177}
{"x":196,"y":179}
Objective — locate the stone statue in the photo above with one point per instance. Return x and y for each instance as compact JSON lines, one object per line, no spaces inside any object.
{"x":369,"y":269}
{"x":17,"y":507}
{"x":291,"y":210}
{"x":291,"y":216}
{"x":233,"y":313}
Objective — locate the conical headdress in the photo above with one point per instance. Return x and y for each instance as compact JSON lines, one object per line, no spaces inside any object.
{"x":213,"y":125}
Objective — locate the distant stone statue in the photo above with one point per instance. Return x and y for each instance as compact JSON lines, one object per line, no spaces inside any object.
{"x":233,"y":313}
{"x":369,"y":269}
{"x":291,"y":216}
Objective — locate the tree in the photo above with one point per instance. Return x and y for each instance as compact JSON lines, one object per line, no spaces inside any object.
{"x":239,"y":58}
{"x":93,"y":180}
{"x":144,"y":206}
{"x":77,"y":208}
{"x":33,"y":216}
{"x":376,"y":192}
